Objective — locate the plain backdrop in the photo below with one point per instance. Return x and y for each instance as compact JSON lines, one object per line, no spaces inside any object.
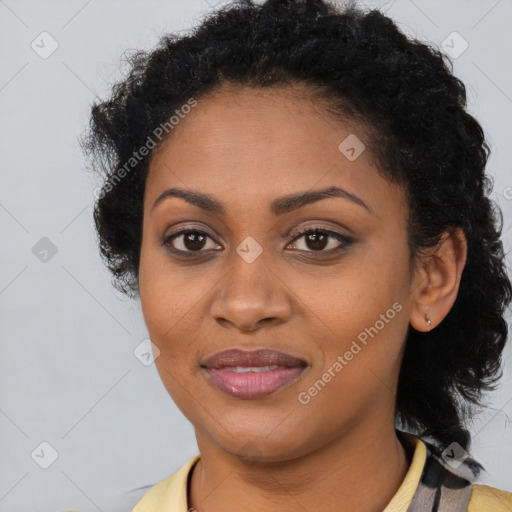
{"x":73,"y":395}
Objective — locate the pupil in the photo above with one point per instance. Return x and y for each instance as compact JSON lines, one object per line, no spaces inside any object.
{"x":310,"y":238}
{"x":191,"y":240}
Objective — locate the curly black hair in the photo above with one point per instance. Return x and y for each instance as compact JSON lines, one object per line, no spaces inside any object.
{"x":363,"y":68}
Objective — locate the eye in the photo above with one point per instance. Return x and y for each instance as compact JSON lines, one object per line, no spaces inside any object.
{"x":188,"y":241}
{"x":317,"y":239}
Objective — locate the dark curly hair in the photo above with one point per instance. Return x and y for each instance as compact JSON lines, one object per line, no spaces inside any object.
{"x":402,"y":90}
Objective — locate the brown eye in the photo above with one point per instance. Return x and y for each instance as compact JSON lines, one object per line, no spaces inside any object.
{"x":190,"y":240}
{"x":316,"y":240}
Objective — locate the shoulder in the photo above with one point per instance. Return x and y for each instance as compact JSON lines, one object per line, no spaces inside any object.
{"x":457,"y":485}
{"x":489,"y":499}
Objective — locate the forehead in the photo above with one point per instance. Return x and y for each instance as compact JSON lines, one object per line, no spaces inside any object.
{"x":264,"y":143}
{"x":235,"y":118}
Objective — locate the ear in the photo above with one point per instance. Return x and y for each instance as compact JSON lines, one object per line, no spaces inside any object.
{"x":437,"y":279}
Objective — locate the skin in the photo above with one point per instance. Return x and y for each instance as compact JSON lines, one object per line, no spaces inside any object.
{"x":340,"y":451}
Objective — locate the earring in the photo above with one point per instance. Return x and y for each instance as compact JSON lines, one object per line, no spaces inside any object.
{"x":427,"y":320}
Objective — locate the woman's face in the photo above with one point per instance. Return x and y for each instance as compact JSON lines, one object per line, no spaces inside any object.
{"x":249,"y":280}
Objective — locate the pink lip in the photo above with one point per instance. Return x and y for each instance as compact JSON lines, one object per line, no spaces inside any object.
{"x":252,"y":384}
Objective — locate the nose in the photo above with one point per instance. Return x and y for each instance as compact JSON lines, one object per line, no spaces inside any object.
{"x":250,"y":296}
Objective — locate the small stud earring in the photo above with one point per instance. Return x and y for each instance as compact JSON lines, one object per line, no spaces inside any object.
{"x":427,"y":320}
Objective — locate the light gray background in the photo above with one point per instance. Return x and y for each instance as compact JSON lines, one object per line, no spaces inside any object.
{"x":68,"y":375}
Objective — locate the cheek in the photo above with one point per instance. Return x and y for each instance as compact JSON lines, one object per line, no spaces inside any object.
{"x":360,"y":314}
{"x":154,"y":299}
{"x":159,"y":297}
{"x":161,"y":293}
{"x":165,"y":308}
{"x":171,"y":302}
{"x":360,"y":366}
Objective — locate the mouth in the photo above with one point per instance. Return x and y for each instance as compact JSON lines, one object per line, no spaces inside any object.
{"x":252,"y":374}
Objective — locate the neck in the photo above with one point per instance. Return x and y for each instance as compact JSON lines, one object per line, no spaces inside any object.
{"x":360,"y":471}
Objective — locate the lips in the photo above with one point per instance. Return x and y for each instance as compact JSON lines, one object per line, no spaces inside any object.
{"x":260,"y":357}
{"x":254,"y":374}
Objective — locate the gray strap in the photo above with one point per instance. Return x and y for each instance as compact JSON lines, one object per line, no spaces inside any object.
{"x":423,"y":499}
{"x":455,"y":500}
{"x":440,"y":490}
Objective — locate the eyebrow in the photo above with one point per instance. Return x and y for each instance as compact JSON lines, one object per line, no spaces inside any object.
{"x":278,"y":206}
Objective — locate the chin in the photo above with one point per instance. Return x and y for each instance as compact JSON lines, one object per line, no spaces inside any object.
{"x":253,"y":445}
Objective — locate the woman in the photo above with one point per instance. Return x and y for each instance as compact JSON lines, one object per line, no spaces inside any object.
{"x":297,"y":194}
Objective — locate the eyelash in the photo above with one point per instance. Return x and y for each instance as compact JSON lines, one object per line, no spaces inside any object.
{"x":345,"y":241}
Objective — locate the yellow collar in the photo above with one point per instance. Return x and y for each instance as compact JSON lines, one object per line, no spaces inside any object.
{"x":171,"y":493}
{"x":402,"y":499}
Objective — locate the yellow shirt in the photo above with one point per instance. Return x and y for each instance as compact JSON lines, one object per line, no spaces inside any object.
{"x":170,"y":495}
